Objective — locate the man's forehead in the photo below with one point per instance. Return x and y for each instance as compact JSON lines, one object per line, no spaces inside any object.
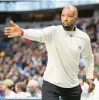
{"x":70,"y":9}
{"x":67,"y":10}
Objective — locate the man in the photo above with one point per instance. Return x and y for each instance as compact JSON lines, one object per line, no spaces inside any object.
{"x":2,"y":92}
{"x":33,"y":88}
{"x":20,"y":89}
{"x":64,"y":43}
{"x":8,"y":86}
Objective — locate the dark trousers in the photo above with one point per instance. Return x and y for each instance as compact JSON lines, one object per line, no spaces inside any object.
{"x":53,"y":92}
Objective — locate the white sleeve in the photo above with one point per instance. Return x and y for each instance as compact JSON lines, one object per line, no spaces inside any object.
{"x":40,"y":35}
{"x":89,"y":59}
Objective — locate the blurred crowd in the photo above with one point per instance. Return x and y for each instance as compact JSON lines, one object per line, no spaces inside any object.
{"x":23,"y":62}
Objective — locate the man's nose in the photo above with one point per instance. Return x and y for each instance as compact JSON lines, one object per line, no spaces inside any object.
{"x":65,"y":18}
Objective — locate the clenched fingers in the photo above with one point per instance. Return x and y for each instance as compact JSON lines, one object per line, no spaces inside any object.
{"x":91,"y":87}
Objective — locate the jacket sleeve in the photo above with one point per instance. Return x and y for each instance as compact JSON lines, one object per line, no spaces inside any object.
{"x":89,"y":59}
{"x":40,"y":35}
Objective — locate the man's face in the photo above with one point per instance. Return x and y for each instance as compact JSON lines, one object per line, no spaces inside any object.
{"x":2,"y":87}
{"x":68,"y":17}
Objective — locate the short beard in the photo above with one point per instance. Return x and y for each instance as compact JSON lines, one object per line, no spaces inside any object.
{"x":69,"y":28}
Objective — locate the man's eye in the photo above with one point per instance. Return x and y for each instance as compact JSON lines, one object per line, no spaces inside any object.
{"x":62,"y":15}
{"x":70,"y":16}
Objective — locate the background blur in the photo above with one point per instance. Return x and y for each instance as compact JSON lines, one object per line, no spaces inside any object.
{"x":23,"y":60}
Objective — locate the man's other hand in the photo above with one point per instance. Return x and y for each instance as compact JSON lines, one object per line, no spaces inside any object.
{"x":91,"y":85}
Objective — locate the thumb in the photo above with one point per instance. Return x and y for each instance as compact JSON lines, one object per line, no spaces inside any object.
{"x":12,"y":23}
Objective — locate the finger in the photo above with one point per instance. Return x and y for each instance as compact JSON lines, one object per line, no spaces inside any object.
{"x":12,"y":23}
{"x":91,"y":89}
{"x":7,"y":31}
{"x":7,"y":28}
{"x":10,"y":36}
{"x":91,"y":86}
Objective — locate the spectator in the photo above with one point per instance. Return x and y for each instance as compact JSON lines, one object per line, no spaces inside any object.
{"x":2,"y":92}
{"x":92,"y":32}
{"x":8,"y":86}
{"x":20,"y":89}
{"x":33,"y":88}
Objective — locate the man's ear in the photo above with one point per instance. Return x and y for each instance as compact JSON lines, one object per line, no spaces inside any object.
{"x":76,"y":19}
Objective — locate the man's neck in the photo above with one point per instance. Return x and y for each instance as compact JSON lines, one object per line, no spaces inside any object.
{"x":8,"y":92}
{"x":69,"y":28}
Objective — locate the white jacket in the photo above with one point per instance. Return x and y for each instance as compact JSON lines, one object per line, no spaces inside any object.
{"x":64,"y":49}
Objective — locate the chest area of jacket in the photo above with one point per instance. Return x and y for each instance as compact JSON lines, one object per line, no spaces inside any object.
{"x":72,"y":43}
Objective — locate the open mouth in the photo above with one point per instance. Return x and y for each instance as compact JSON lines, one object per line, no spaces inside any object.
{"x":65,"y":24}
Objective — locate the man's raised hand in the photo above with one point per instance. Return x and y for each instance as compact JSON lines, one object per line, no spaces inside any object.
{"x":13,"y":31}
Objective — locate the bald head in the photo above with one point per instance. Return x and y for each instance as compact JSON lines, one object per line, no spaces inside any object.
{"x":33,"y":83}
{"x":71,"y":9}
{"x":69,"y":15}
